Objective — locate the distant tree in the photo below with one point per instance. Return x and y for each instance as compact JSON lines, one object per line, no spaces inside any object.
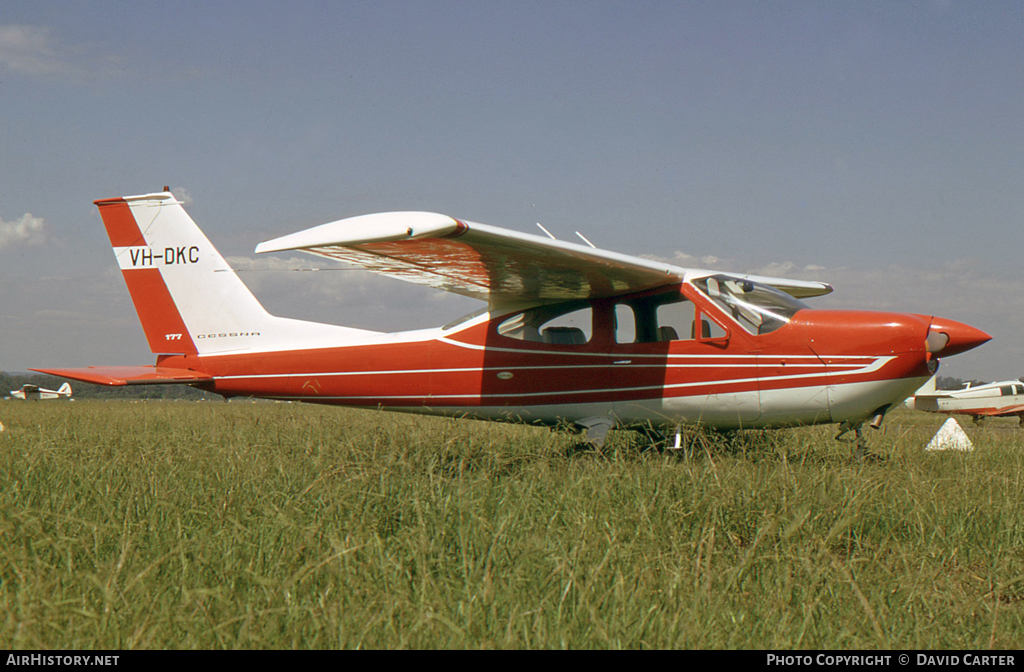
{"x":951,"y":383}
{"x":948,"y":383}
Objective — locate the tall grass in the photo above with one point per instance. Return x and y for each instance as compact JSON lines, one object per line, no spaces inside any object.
{"x":185,"y":525}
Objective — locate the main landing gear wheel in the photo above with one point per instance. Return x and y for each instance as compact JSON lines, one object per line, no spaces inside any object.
{"x":597,"y":429}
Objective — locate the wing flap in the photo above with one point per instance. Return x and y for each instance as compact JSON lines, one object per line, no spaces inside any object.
{"x":130,"y":375}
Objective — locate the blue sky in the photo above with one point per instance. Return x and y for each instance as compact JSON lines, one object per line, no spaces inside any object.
{"x":876,"y":146}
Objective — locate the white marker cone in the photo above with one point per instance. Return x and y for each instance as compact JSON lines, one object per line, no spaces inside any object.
{"x":950,"y":437}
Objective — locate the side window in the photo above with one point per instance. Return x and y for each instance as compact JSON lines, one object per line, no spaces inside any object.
{"x":1007,"y":390}
{"x":662,"y":318}
{"x":709,"y":329}
{"x":564,"y":324}
{"x":625,"y":323}
{"x":675,"y":321}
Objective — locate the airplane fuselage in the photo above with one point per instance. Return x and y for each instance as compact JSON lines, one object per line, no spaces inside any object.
{"x":992,"y":400}
{"x":821,"y":367}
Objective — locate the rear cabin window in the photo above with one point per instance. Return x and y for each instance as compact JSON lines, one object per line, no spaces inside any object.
{"x":562,"y":324}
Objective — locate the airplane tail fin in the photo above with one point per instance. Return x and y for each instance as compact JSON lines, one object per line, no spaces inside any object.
{"x":188,"y":298}
{"x":930,"y":387}
{"x":65,"y":389}
{"x":182,"y":288}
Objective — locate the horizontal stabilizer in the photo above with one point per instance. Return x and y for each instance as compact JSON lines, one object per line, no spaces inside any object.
{"x":130,"y":375}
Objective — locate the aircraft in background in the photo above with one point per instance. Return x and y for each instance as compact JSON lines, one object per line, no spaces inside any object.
{"x":571,"y":335}
{"x":35,"y":393}
{"x":992,"y":400}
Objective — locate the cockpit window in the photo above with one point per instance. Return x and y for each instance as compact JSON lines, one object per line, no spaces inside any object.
{"x":758,"y":308}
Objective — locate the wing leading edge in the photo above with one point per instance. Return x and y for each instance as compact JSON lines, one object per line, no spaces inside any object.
{"x":496,"y":265}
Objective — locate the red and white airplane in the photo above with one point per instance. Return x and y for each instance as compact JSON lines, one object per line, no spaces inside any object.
{"x":30,"y":392}
{"x":571,"y":334}
{"x":992,"y":400}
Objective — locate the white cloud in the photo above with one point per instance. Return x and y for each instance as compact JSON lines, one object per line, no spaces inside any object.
{"x":33,"y":51}
{"x":182,"y":195}
{"x":30,"y":50}
{"x":26,"y":230}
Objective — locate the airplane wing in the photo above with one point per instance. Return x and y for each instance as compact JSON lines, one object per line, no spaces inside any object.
{"x":936,"y":395}
{"x":29,"y":388}
{"x":500,"y":266}
{"x":130,"y":375}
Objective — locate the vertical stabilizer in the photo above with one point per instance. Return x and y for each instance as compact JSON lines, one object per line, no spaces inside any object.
{"x":182,"y":288}
{"x":188,"y":299}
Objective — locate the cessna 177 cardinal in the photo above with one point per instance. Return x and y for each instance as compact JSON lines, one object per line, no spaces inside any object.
{"x":571,"y":334}
{"x":991,"y":400}
{"x":31,"y":392}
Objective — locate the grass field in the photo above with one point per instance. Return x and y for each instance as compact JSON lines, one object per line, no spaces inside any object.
{"x":212,"y":525}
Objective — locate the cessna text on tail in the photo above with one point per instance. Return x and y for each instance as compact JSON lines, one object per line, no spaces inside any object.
{"x":570,"y":334}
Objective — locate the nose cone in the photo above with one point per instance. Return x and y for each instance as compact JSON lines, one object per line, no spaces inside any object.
{"x":958,"y":337}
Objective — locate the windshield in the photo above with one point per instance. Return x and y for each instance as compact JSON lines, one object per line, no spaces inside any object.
{"x":758,"y":308}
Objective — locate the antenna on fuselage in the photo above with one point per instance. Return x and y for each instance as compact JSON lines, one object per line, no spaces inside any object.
{"x":546,"y":231}
{"x":584,"y":239}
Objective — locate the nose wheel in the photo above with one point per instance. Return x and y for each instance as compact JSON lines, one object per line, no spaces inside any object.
{"x":859,"y":441}
{"x":860,"y":450}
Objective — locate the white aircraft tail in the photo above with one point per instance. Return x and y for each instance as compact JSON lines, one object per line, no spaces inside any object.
{"x":188,"y":299}
{"x":929,"y":387}
{"x":64,"y":390}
